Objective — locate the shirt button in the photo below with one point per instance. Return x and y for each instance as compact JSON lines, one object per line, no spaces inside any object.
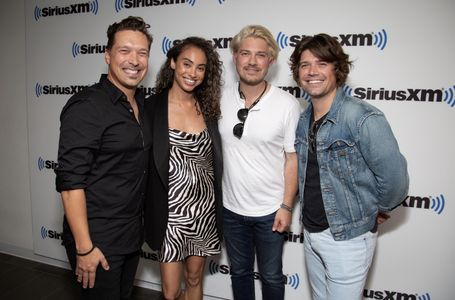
{"x":130,"y":110}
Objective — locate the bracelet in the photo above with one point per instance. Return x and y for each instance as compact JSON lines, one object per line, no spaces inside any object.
{"x":86,"y":253}
{"x":288,"y":208}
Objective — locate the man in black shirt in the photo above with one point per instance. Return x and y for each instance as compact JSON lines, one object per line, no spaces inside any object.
{"x":101,"y":173}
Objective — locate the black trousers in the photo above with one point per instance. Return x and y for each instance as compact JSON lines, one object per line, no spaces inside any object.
{"x":114,"y":284}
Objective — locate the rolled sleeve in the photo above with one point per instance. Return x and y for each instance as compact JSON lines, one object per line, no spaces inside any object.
{"x":292,"y":119}
{"x":80,"y":132}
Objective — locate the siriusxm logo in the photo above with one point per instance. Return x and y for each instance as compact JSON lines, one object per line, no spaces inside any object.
{"x":296,"y":92}
{"x":390,"y":295}
{"x":214,"y":268}
{"x":57,"y":90}
{"x":435,"y":203}
{"x":149,"y":256}
{"x":127,"y":4}
{"x":78,"y":8}
{"x":78,"y":49}
{"x":293,"y":238}
{"x":218,"y":43}
{"x":419,"y":95}
{"x":293,"y":280}
{"x":146,"y":90}
{"x":46,"y":164}
{"x":376,"y":39}
{"x":51,"y":234}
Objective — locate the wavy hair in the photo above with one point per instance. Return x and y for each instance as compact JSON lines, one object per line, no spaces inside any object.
{"x":327,"y":49}
{"x":208,"y":93}
{"x":255,"y":31}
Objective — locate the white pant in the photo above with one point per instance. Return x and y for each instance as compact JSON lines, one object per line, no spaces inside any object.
{"x":337,"y":270}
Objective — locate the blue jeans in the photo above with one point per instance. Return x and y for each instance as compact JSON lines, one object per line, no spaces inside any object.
{"x":243,"y":235}
{"x":338,"y":269}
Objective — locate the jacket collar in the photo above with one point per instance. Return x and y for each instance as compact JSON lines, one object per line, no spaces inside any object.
{"x":334,"y":111}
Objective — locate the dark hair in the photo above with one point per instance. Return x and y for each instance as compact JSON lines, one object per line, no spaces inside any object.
{"x":130,"y":23}
{"x":208,"y":93}
{"x":325,"y":48}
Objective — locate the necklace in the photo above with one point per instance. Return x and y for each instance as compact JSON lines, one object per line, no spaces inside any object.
{"x":242,"y":95}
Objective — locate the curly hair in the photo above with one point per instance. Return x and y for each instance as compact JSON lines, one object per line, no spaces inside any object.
{"x":130,"y":23}
{"x":325,"y":48}
{"x":208,"y":93}
{"x":255,"y":31}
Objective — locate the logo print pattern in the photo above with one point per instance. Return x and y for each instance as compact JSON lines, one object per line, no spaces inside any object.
{"x":449,"y":96}
{"x":166,"y":44}
{"x":282,"y":40}
{"x":43,"y":232}
{"x":438,"y":203}
{"x":380,"y":39}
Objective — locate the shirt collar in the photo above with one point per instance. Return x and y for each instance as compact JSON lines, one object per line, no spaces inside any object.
{"x":116,"y":94}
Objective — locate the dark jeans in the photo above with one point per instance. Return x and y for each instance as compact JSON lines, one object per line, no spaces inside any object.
{"x":243,"y":235}
{"x":114,"y":284}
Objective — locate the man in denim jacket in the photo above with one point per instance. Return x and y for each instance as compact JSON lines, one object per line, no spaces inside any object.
{"x":350,"y":172}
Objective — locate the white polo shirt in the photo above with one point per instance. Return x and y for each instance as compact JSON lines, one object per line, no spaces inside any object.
{"x":253,"y":177}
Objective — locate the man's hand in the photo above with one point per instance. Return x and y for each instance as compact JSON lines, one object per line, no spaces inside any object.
{"x":282,"y":220}
{"x":86,"y":267}
{"x":382,"y":217}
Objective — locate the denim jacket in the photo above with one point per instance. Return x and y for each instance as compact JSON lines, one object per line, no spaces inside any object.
{"x":361,"y":168}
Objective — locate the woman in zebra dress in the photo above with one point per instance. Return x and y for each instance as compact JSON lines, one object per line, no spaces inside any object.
{"x":183,"y":208}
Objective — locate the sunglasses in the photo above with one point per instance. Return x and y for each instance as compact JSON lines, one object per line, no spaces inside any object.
{"x":313,"y":133}
{"x":312,"y":138}
{"x":242,"y":114}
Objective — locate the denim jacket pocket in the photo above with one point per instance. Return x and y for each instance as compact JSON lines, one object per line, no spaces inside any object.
{"x":344,"y":161}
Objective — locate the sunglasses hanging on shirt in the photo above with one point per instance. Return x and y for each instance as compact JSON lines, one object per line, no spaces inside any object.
{"x":242,"y":114}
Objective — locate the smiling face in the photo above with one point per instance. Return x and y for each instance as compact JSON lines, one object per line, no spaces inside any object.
{"x":317,"y":77}
{"x":128,"y":60}
{"x":189,"y":69}
{"x":252,"y":60}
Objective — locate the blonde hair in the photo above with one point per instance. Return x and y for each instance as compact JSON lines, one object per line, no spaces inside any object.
{"x":255,"y":31}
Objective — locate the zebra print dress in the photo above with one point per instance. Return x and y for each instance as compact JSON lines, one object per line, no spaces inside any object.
{"x":191,"y":228}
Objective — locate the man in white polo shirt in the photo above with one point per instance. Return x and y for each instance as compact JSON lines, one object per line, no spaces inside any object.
{"x":260,"y":166}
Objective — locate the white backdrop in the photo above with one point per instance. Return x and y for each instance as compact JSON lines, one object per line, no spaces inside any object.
{"x":403,"y":57}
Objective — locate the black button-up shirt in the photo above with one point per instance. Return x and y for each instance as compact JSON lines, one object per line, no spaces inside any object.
{"x":104,"y":150}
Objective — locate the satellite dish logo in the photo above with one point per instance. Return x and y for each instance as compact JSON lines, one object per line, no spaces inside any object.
{"x":41,"y":163}
{"x":449,"y":96}
{"x":119,"y":5}
{"x":43,"y":232}
{"x":76,"y":49}
{"x":37,"y":13}
{"x":438,"y":203}
{"x":306,"y":96}
{"x":426,"y":296}
{"x":293,"y":280}
{"x":282,"y":40}
{"x":213,"y":267}
{"x":166,"y":44}
{"x":347,"y":89}
{"x":38,"y":90}
{"x":380,"y":39}
{"x":94,"y":7}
